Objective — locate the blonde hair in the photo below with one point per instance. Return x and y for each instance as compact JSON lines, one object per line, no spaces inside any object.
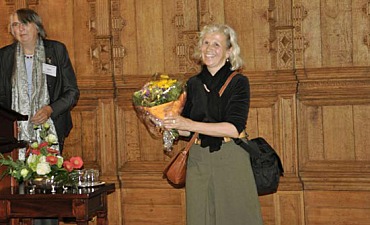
{"x":231,"y":41}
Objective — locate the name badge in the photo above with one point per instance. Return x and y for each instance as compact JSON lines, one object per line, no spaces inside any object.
{"x":49,"y":69}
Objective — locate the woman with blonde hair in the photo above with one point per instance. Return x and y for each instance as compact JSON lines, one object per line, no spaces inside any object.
{"x":220,"y":186}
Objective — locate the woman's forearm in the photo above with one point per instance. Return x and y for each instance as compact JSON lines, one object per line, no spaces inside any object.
{"x":185,"y":126}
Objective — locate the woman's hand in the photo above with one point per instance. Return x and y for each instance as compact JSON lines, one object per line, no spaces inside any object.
{"x":175,"y":122}
{"x":42,"y":115}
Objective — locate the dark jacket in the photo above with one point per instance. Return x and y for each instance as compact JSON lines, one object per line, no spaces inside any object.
{"x":63,"y":89}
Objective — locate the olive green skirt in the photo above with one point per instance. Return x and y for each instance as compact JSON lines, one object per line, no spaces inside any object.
{"x":220,"y":187}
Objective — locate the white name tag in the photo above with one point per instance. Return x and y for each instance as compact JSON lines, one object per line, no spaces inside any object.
{"x":49,"y":69}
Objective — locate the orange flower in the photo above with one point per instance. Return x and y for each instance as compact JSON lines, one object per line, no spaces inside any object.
{"x":52,"y":160}
{"x":76,"y":162}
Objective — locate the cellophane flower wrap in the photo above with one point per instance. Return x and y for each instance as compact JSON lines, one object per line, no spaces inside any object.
{"x":160,"y":96}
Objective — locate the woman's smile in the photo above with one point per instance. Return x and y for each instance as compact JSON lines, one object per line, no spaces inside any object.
{"x":214,"y":51}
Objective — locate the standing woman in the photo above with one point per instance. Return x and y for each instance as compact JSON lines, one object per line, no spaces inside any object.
{"x":37,"y":79}
{"x":220,"y":186}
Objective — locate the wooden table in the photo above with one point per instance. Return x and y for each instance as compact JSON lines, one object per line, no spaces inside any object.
{"x":80,"y":204}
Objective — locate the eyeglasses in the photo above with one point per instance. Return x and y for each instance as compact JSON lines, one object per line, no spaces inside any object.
{"x":18,"y":24}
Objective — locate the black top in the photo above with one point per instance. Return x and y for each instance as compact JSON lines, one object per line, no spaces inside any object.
{"x":204,"y":106}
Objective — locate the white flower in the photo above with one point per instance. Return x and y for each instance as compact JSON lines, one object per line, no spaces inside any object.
{"x":31,"y":159}
{"x":43,"y":168}
{"x":24,"y":173}
{"x":51,"y":139}
{"x":32,"y":162}
{"x":42,"y":159}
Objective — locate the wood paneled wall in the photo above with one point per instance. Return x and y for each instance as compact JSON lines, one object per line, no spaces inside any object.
{"x":308,"y":63}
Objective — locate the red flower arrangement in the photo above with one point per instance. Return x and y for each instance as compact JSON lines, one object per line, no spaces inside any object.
{"x":42,"y":160}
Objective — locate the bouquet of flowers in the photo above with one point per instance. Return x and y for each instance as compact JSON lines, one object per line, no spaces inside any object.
{"x":41,"y":160}
{"x":157,"y":97}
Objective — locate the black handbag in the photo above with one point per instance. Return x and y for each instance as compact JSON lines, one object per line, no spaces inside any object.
{"x":266,"y":164}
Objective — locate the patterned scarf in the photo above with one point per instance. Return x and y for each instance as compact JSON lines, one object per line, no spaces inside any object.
{"x":29,"y":105}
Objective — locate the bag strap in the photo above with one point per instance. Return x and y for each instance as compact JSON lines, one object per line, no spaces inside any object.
{"x":244,"y":144}
{"x":190,"y":143}
{"x":249,"y":146}
{"x":232,"y":75}
{"x":227,"y":82}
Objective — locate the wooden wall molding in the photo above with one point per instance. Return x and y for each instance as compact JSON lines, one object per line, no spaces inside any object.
{"x":335,"y":92}
{"x":333,"y":181}
{"x":323,"y":86}
{"x":100,"y":86}
{"x":144,"y":175}
{"x":271,"y":76}
{"x":333,"y":72}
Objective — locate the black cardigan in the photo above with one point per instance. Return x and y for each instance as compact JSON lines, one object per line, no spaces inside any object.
{"x":203,"y":106}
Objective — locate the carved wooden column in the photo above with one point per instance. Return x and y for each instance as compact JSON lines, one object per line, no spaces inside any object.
{"x":300,"y":42}
{"x":281,"y":33}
